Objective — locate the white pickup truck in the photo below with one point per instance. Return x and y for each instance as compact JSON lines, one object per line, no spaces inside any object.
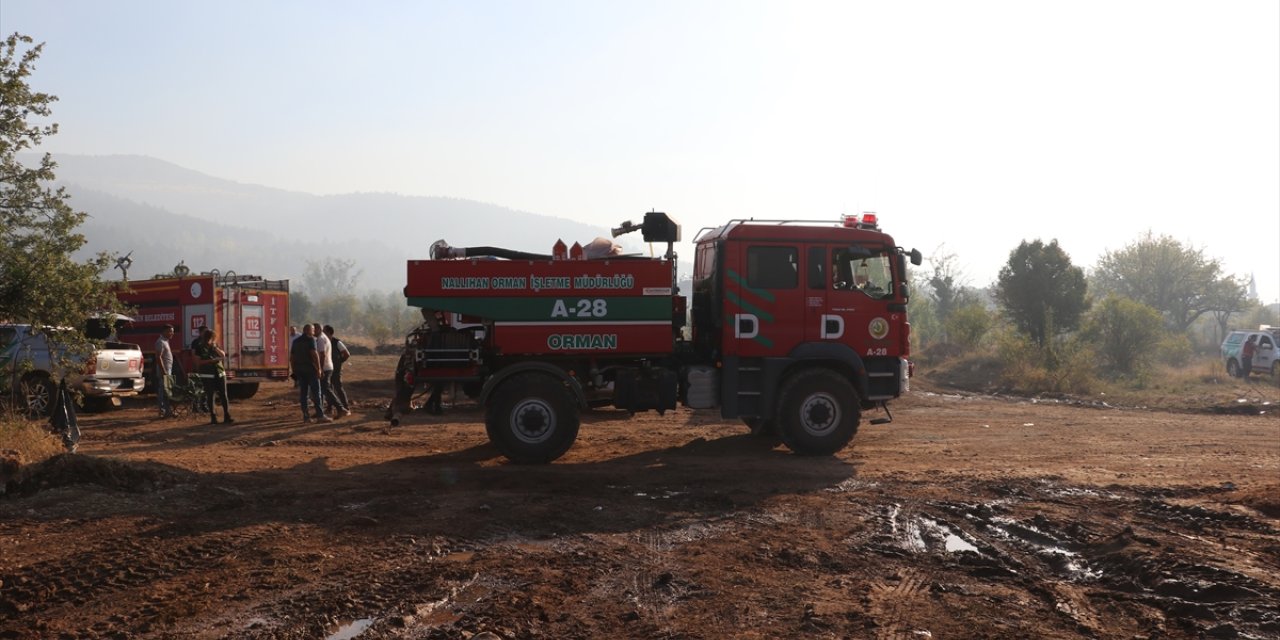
{"x":29,"y":373}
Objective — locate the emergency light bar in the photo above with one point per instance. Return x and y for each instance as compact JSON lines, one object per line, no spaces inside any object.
{"x":867,"y":221}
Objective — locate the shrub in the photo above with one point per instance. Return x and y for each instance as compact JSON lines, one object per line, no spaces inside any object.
{"x":1060,"y":366}
{"x":969,"y":324}
{"x":1126,"y":336}
{"x":1175,"y":350}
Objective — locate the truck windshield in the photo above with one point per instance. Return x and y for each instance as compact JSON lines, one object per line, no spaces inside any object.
{"x":872,"y":275}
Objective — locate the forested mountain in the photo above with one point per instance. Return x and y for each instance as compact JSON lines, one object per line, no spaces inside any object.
{"x":165,"y":214}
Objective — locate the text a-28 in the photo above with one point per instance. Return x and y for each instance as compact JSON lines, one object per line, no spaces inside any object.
{"x":583,"y":308}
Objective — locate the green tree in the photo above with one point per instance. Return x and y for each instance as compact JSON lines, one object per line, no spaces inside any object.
{"x":330,"y":278}
{"x":1230,"y":298}
{"x":330,"y":285}
{"x":1041,"y":291}
{"x":387,"y":318}
{"x":40,"y":283}
{"x":969,"y":324}
{"x":300,"y":307}
{"x":947,"y":286}
{"x":1261,"y":315}
{"x":339,"y":311}
{"x":1175,"y":279}
{"x":1125,"y":334}
{"x":925,"y":328}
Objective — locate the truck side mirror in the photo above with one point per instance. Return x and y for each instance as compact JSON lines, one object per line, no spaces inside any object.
{"x":916,"y":258}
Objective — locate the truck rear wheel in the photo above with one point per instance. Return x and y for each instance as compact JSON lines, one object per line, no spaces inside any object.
{"x":531,"y":419}
{"x":1233,"y":368}
{"x":818,"y":413}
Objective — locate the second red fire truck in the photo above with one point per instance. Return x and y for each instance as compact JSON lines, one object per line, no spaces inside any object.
{"x":250,"y":315}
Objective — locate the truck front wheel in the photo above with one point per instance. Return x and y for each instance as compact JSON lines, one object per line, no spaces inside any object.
{"x":531,"y":419}
{"x":818,"y":413}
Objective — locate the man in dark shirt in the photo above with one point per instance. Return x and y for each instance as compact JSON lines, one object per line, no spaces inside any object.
{"x":306,"y":368}
{"x":209,"y":364}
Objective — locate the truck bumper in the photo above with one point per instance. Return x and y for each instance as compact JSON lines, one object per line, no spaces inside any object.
{"x":110,"y":387}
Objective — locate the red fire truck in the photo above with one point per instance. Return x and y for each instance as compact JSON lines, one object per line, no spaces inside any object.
{"x":797,"y":327}
{"x":250,"y":315}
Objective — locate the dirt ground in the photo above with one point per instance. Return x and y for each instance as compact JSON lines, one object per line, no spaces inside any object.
{"x":968,"y":517}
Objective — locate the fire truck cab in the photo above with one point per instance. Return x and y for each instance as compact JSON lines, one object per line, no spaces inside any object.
{"x":783,"y":305}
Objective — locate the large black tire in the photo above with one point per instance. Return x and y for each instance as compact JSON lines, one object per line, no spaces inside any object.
{"x":37,"y":394}
{"x":531,"y":419}
{"x":1233,"y":368}
{"x":242,"y":390}
{"x":818,"y":413}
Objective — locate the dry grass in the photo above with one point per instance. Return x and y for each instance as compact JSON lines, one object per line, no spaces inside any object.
{"x":24,"y":442}
{"x":1199,"y":384}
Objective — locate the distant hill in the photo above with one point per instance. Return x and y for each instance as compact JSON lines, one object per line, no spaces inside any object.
{"x":164,"y":214}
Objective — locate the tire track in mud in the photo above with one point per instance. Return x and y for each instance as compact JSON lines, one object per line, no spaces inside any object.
{"x":890,"y":602}
{"x":402,"y":578}
{"x":91,"y":578}
{"x":388,"y":580}
{"x":1163,"y":556}
{"x":1200,"y":518}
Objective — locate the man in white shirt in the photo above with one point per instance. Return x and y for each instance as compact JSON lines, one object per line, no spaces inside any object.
{"x":325,"y":349}
{"x":164,"y":369}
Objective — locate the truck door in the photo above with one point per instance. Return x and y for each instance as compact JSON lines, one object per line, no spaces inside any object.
{"x":764,"y":301}
{"x":861,"y":288}
{"x":819,"y":323}
{"x":1265,"y":355}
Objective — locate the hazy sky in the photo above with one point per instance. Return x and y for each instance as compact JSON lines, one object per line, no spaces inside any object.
{"x":974,"y":124}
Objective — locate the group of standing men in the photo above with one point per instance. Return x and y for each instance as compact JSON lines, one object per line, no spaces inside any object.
{"x":317,"y":358}
{"x":315,"y":354}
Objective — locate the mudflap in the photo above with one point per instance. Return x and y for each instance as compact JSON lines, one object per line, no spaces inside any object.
{"x":888,"y":416}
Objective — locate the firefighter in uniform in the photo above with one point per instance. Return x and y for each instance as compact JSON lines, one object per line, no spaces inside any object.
{"x":209,"y":363}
